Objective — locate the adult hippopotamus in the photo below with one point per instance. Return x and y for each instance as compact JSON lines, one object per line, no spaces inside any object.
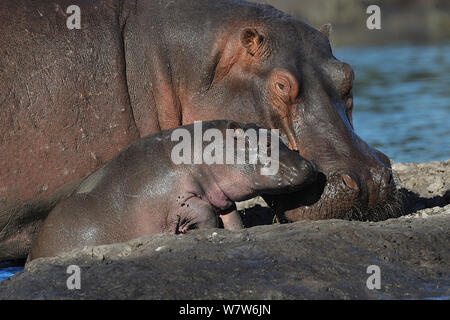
{"x":142,"y":192}
{"x":73,"y":98}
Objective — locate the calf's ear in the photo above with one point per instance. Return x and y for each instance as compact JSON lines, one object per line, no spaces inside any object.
{"x":238,"y":130}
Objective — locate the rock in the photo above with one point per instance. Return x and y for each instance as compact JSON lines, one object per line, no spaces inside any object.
{"x":241,"y":206}
{"x":303,"y":260}
{"x":425,"y":213}
{"x":321,"y":259}
{"x":423,"y":185}
{"x":424,"y":179}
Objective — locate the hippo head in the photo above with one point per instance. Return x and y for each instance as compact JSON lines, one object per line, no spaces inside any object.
{"x":279,"y":72}
{"x":252,"y":161}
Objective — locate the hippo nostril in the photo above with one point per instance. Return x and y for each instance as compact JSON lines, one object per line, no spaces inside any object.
{"x":350,"y":182}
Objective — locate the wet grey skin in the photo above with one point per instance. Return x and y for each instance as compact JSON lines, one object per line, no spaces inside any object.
{"x":142,"y":191}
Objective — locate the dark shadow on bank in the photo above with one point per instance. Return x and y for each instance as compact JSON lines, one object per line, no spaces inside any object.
{"x":411,"y":202}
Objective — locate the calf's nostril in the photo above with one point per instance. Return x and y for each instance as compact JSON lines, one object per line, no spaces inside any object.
{"x":350,"y":182}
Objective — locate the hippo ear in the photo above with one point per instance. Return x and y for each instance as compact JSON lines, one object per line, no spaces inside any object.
{"x":229,"y":54}
{"x":251,"y":40}
{"x":326,"y":29}
{"x":233,"y":125}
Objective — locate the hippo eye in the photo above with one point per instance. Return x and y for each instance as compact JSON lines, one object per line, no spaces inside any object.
{"x":282,"y":86}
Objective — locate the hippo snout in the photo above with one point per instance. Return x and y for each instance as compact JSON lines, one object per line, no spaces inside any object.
{"x":371,"y":187}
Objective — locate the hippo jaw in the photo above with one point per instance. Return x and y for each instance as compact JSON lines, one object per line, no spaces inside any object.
{"x":331,"y":198}
{"x":352,"y":188}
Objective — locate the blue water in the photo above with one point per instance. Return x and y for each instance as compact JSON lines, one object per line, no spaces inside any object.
{"x":9,"y":272}
{"x":9,"y":268}
{"x":402,"y":99}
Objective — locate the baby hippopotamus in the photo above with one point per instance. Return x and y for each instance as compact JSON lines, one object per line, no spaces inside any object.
{"x":161,"y":185}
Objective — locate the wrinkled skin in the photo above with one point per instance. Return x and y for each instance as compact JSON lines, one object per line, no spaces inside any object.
{"x":141,"y":192}
{"x":71,"y":99}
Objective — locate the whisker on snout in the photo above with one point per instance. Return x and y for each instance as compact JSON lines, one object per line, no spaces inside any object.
{"x":392,"y":207}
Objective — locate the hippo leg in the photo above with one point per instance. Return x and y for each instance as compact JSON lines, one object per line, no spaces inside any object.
{"x":231,"y":220}
{"x":194,"y":213}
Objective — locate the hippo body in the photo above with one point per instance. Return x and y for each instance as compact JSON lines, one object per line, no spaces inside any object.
{"x":141,"y":192}
{"x":71,"y":99}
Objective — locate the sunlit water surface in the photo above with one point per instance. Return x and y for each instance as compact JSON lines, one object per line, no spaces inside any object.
{"x":402,"y":99}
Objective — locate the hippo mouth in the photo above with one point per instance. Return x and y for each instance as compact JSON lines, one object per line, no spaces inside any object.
{"x":328,"y":197}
